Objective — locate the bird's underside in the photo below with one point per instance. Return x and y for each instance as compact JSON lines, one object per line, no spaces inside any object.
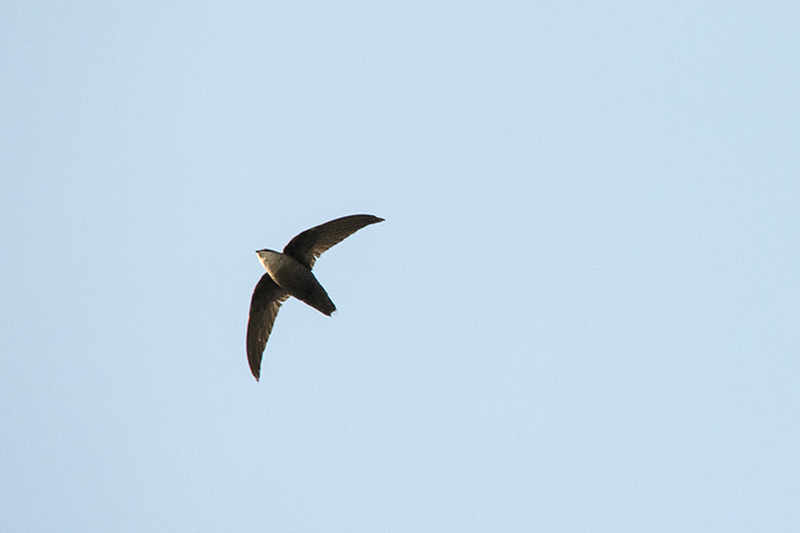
{"x":289,"y":274}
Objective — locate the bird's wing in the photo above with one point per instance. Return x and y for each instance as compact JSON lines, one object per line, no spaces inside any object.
{"x":267,"y":299}
{"x":310,"y":244}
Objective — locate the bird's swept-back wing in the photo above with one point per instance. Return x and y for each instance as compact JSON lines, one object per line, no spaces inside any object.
{"x":267,"y":299}
{"x":310,"y":244}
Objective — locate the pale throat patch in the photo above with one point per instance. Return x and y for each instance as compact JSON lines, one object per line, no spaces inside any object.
{"x":271,"y":261}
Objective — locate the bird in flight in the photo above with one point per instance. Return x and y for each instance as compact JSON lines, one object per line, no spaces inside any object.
{"x":289,"y":274}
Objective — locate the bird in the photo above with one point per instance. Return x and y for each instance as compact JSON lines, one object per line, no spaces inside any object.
{"x":289,"y":274}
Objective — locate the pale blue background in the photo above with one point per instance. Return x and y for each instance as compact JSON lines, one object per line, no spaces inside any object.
{"x":581,"y":313}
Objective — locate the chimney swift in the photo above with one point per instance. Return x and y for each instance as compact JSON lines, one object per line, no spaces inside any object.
{"x":289,"y":274}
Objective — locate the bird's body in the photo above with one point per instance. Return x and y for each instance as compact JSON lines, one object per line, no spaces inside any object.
{"x":296,"y":280}
{"x":289,"y":274}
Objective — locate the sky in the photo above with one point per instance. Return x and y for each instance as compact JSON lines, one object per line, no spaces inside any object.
{"x":579,"y":315}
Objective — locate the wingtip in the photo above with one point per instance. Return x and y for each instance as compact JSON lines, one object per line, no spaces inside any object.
{"x":376,"y":217}
{"x":256,"y":370}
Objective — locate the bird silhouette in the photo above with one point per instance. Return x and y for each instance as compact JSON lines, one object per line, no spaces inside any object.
{"x":289,"y":274}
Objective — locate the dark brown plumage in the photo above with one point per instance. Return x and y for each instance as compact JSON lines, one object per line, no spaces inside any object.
{"x":289,"y":274}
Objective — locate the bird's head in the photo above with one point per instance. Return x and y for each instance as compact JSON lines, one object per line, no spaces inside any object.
{"x":268,"y":257}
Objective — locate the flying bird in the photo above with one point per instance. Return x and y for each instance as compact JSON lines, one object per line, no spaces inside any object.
{"x":289,"y":274}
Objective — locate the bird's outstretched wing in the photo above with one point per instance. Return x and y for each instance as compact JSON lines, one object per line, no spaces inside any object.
{"x":310,"y":244}
{"x":267,"y":299}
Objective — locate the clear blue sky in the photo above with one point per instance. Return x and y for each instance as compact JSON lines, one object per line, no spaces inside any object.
{"x":581,"y":313}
